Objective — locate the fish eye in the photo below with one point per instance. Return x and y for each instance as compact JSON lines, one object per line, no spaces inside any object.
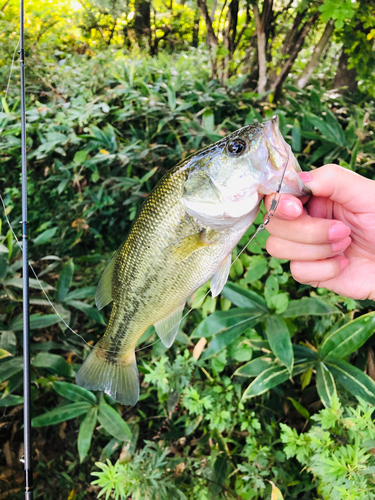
{"x":236,"y":147}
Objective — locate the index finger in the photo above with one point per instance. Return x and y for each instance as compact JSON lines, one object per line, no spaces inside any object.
{"x":289,"y":207}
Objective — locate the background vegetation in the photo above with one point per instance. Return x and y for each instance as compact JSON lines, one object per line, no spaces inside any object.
{"x":276,"y":403}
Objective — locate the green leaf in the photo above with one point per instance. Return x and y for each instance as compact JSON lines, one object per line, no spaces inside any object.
{"x":81,"y":293}
{"x":301,"y":409}
{"x":86,"y":431}
{"x":45,"y":236}
{"x":348,"y":338}
{"x":254,"y":367}
{"x":220,"y":321}
{"x":271,"y":377}
{"x":296,"y":136}
{"x":52,"y":362}
{"x":8,"y":342}
{"x":308,"y":306}
{"x":61,"y":413}
{"x":353,"y":379}
{"x":325,"y":385}
{"x":87,"y":309}
{"x":113,"y":423}
{"x":74,"y":392}
{"x":279,"y":340}
{"x":65,"y":280}
{"x":242,"y":297}
{"x":229,"y":335}
{"x":36,"y":321}
{"x":11,"y":400}
{"x":258,"y":268}
{"x":10,"y":367}
{"x":302,"y":353}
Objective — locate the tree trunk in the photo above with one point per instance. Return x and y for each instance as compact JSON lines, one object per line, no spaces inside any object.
{"x":277,"y":84}
{"x":195,"y":39}
{"x":261,"y":43}
{"x":211,"y":37}
{"x":141,"y":19}
{"x":318,"y":51}
{"x":229,"y":37}
{"x":345,"y":77}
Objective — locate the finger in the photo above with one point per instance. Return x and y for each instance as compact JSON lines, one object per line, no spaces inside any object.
{"x":316,"y":273}
{"x":306,"y":229}
{"x":340,"y":185}
{"x":288,"y":208}
{"x":321,"y":208}
{"x":285,"y":249}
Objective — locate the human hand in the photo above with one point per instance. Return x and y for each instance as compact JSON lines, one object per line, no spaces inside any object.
{"x":330,"y":240}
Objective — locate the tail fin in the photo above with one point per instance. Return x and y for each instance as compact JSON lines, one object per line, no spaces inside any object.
{"x":117,"y":377}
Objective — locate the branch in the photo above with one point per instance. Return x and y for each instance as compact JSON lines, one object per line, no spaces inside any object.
{"x":261,"y":41}
{"x":212,"y":38}
{"x":276,"y":84}
{"x":4,"y":6}
{"x":314,"y":60}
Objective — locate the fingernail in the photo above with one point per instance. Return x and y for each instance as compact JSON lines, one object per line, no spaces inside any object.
{"x":339,"y":246}
{"x":343,"y":263}
{"x":305,"y":176}
{"x":290,"y":208}
{"x":338,"y":231}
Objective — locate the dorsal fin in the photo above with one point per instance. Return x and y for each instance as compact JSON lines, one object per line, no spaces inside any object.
{"x":219,"y":279}
{"x":167,"y":328}
{"x":103,"y":295}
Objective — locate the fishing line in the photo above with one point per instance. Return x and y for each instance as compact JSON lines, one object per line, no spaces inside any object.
{"x":270,"y":214}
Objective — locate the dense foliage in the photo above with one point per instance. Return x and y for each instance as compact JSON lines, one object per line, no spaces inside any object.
{"x":256,"y":411}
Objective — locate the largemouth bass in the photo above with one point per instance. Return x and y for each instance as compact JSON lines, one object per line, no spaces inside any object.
{"x":183,"y":235}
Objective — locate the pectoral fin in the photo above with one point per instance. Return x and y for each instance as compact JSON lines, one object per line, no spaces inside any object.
{"x":183,"y":248}
{"x":219,"y":279}
{"x":103,"y":295}
{"x":167,"y":328}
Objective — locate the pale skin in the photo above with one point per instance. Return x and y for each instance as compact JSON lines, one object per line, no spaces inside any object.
{"x":329,"y":237}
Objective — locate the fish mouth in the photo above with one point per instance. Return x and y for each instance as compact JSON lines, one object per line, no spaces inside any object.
{"x":282,"y":160}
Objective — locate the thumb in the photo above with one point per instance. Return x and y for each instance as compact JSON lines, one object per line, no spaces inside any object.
{"x":340,"y":185}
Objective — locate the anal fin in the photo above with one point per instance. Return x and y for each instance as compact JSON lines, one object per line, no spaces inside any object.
{"x":219,"y":279}
{"x":167,"y":328}
{"x":103,"y":294}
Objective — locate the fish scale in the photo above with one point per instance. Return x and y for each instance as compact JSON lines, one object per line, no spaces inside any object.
{"x":183,"y":235}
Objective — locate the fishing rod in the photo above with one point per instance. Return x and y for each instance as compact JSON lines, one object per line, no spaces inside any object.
{"x":28,"y":473}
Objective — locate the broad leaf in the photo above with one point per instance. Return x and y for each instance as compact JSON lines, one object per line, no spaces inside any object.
{"x":301,"y":409}
{"x":74,"y":392}
{"x":229,"y":335}
{"x":279,"y":340}
{"x":241,"y":297}
{"x":325,"y":384}
{"x":91,"y":311}
{"x":348,"y":338}
{"x":52,"y":362}
{"x":271,"y":377}
{"x":85,"y":433}
{"x":45,"y":236}
{"x":61,"y":413}
{"x":302,"y":353}
{"x":11,"y":400}
{"x":308,"y":306}
{"x":10,"y":367}
{"x":65,"y":280}
{"x":254,"y":367}
{"x":113,"y":423}
{"x":220,"y":321}
{"x":36,"y":321}
{"x":353,"y":379}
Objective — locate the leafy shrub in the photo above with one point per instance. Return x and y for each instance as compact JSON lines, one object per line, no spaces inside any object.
{"x":338,"y":450}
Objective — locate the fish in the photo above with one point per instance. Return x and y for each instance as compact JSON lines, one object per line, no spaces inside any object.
{"x":182,"y":237}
